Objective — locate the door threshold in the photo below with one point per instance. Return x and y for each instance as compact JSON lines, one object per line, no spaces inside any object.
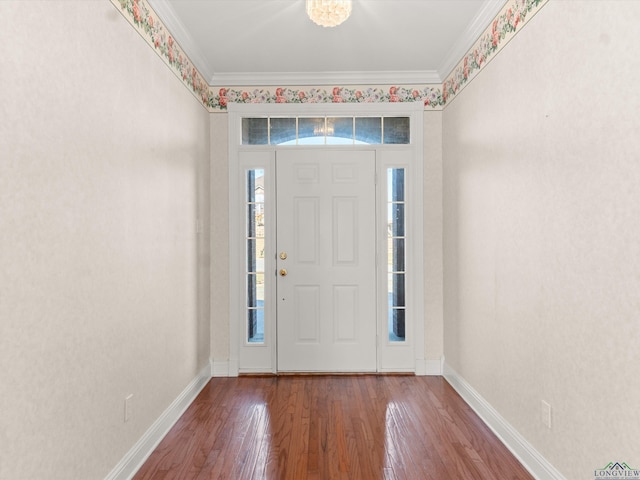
{"x":310,"y":374}
{"x":307,"y":374}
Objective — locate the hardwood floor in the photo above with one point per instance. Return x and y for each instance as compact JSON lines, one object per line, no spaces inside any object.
{"x":330,"y":427}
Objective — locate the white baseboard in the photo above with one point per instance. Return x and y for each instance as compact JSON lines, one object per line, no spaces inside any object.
{"x":219,"y":369}
{"x":234,"y":368}
{"x":434,"y":367}
{"x":530,"y":458}
{"x":429,"y":367}
{"x":133,"y":460}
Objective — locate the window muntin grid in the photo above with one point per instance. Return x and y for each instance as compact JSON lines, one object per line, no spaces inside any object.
{"x":254,"y":242}
{"x":396,"y":257}
{"x":323,"y":130}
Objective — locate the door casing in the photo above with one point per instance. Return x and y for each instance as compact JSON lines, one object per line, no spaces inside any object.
{"x":405,"y":356}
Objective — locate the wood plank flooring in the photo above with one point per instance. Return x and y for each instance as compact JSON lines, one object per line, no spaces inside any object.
{"x":330,"y":427}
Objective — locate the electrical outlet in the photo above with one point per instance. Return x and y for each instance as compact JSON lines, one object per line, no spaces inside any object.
{"x":545,"y":414}
{"x":128,"y":401}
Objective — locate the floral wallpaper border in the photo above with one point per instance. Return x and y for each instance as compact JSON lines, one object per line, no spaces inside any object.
{"x":514,"y":15}
{"x":430,"y":95}
{"x":434,"y":97}
{"x":145,"y":20}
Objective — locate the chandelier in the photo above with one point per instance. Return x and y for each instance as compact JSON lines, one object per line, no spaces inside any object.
{"x":328,"y":13}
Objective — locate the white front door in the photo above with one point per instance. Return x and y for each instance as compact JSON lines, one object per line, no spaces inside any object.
{"x":326,"y":260}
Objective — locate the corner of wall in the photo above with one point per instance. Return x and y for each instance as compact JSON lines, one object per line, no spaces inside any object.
{"x":532,"y":460}
{"x":138,"y":454}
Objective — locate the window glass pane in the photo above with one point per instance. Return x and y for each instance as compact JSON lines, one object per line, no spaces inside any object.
{"x":336,"y":130}
{"x":255,"y":255}
{"x":396,"y":324}
{"x":260,"y":287}
{"x":396,"y":130}
{"x":340,"y":127}
{"x":255,"y":289}
{"x":258,"y":186}
{"x":395,"y":212}
{"x":251,"y":220}
{"x":255,"y":131}
{"x":395,"y":184}
{"x":251,"y":186}
{"x":396,"y":254}
{"x":369,"y":130}
{"x":255,"y":321}
{"x":396,"y":285}
{"x":252,"y":294}
{"x":282,"y":130}
{"x":311,"y":128}
{"x":259,"y":254}
{"x":251,"y":255}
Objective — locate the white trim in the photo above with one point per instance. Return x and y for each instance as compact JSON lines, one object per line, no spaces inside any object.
{"x":489,"y":10}
{"x":234,"y":368}
{"x":240,"y":79}
{"x":431,"y":367}
{"x":292,"y":109}
{"x":421,"y":367}
{"x":530,"y":458}
{"x":245,"y":357}
{"x":166,"y":13}
{"x":235,"y":250}
{"x":256,"y":371}
{"x":412,"y":360}
{"x":407,"y":355}
{"x":135,"y":458}
{"x":219,"y":369}
{"x":168,"y":16}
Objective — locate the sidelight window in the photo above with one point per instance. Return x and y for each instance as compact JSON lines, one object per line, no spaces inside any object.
{"x":396,"y":239}
{"x":255,"y":255}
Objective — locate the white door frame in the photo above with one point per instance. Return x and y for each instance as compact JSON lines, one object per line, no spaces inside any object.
{"x":244,"y":358}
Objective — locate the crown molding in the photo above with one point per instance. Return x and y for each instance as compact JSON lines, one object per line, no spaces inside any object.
{"x":325,"y":78}
{"x":329,"y":87}
{"x":168,"y":16}
{"x":489,"y":10}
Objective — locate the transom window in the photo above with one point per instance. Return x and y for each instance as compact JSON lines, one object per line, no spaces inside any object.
{"x":326,"y":130}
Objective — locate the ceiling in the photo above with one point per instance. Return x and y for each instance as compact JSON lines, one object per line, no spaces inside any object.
{"x":273,"y":42}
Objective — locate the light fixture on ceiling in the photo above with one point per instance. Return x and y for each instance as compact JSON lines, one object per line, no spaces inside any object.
{"x":328,"y":13}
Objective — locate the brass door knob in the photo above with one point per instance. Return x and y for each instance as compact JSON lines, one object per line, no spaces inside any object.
{"x":283,"y":272}
{"x":283,"y":256}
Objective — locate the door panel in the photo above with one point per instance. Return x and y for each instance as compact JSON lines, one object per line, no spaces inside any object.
{"x":305,"y":229}
{"x":326,"y":304}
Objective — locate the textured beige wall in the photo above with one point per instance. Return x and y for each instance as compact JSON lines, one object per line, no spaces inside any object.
{"x":219,"y":238}
{"x":542,"y":249}
{"x":433,"y":261}
{"x":103,"y":279}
